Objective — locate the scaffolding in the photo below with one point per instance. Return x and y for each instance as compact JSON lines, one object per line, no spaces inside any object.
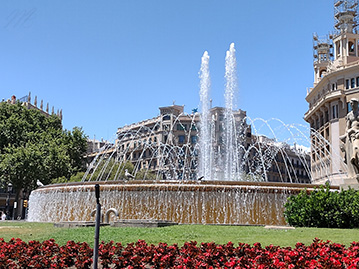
{"x":322,"y":48}
{"x":345,"y":15}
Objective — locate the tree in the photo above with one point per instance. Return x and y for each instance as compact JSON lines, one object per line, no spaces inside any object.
{"x":34,"y":147}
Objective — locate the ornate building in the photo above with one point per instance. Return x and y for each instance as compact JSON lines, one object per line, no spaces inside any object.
{"x":168,"y":143}
{"x":167,"y":147}
{"x":336,"y":81}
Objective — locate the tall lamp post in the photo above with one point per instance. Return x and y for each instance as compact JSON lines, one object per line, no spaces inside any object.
{"x":9,"y":190}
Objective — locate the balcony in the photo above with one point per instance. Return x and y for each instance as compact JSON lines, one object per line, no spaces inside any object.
{"x":327,"y":97}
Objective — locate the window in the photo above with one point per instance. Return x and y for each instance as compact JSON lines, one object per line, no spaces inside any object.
{"x":166,"y":117}
{"x":347,"y":83}
{"x":351,"y":48}
{"x":181,"y":139}
{"x":357,"y":81}
{"x":326,"y":116}
{"x":193,"y":139}
{"x":338,"y":48}
{"x":321,"y":73}
{"x":181,"y":127}
{"x":352,"y":83}
{"x":335,"y":111}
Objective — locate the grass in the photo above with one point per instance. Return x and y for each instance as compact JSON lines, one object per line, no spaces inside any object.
{"x":177,"y":234}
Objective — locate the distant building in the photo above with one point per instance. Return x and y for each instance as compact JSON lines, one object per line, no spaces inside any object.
{"x":156,"y":143}
{"x":167,"y":145}
{"x":336,"y":81}
{"x":96,"y":147}
{"x":289,"y":163}
{"x":26,"y":101}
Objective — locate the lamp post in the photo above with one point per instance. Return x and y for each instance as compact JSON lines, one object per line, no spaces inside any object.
{"x":9,"y":190}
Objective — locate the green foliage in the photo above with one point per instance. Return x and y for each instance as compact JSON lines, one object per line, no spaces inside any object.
{"x":145,"y":174}
{"x":34,"y":147}
{"x":324,"y":208}
{"x":74,"y":178}
{"x":110,"y":169}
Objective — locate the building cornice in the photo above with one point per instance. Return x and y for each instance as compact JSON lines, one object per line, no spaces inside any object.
{"x":324,"y":81}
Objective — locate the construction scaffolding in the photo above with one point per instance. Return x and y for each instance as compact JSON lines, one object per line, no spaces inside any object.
{"x":345,"y":15}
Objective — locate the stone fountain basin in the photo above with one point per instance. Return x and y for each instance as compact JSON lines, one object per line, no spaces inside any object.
{"x":196,"y":202}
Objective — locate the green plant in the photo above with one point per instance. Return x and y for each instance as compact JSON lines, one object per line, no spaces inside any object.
{"x":323,"y":208}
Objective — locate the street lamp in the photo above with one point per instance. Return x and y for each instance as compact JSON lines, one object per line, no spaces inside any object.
{"x":9,"y":190}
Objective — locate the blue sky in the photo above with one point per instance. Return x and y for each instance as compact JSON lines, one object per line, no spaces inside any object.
{"x":114,"y":62}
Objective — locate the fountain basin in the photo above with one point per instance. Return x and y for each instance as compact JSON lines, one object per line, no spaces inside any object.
{"x":196,"y":202}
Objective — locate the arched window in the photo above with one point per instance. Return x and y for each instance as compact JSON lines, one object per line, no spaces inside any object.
{"x":338,"y":49}
{"x":351,"y":48}
{"x":321,"y":73}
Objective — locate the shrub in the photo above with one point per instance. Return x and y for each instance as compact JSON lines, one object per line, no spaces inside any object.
{"x":323,"y":208}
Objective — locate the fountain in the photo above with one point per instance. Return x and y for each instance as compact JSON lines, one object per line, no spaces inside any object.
{"x":227,"y":177}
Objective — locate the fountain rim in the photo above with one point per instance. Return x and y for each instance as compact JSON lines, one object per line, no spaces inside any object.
{"x":185,"y":185}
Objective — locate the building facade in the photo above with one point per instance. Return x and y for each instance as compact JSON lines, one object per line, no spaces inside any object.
{"x":336,"y":81}
{"x":168,"y":144}
{"x":155,"y":144}
{"x":167,"y":147}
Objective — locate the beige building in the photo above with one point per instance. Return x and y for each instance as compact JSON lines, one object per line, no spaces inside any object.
{"x":26,"y":102}
{"x":167,"y":147}
{"x":168,"y":144}
{"x":155,"y":144}
{"x":336,"y":81}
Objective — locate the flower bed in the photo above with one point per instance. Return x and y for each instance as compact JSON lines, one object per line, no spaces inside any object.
{"x":19,"y":254}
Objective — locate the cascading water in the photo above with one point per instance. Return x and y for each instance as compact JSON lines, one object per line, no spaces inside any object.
{"x":211,"y":202}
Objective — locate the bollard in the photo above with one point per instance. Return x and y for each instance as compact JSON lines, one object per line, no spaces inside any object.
{"x":97,"y":226}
